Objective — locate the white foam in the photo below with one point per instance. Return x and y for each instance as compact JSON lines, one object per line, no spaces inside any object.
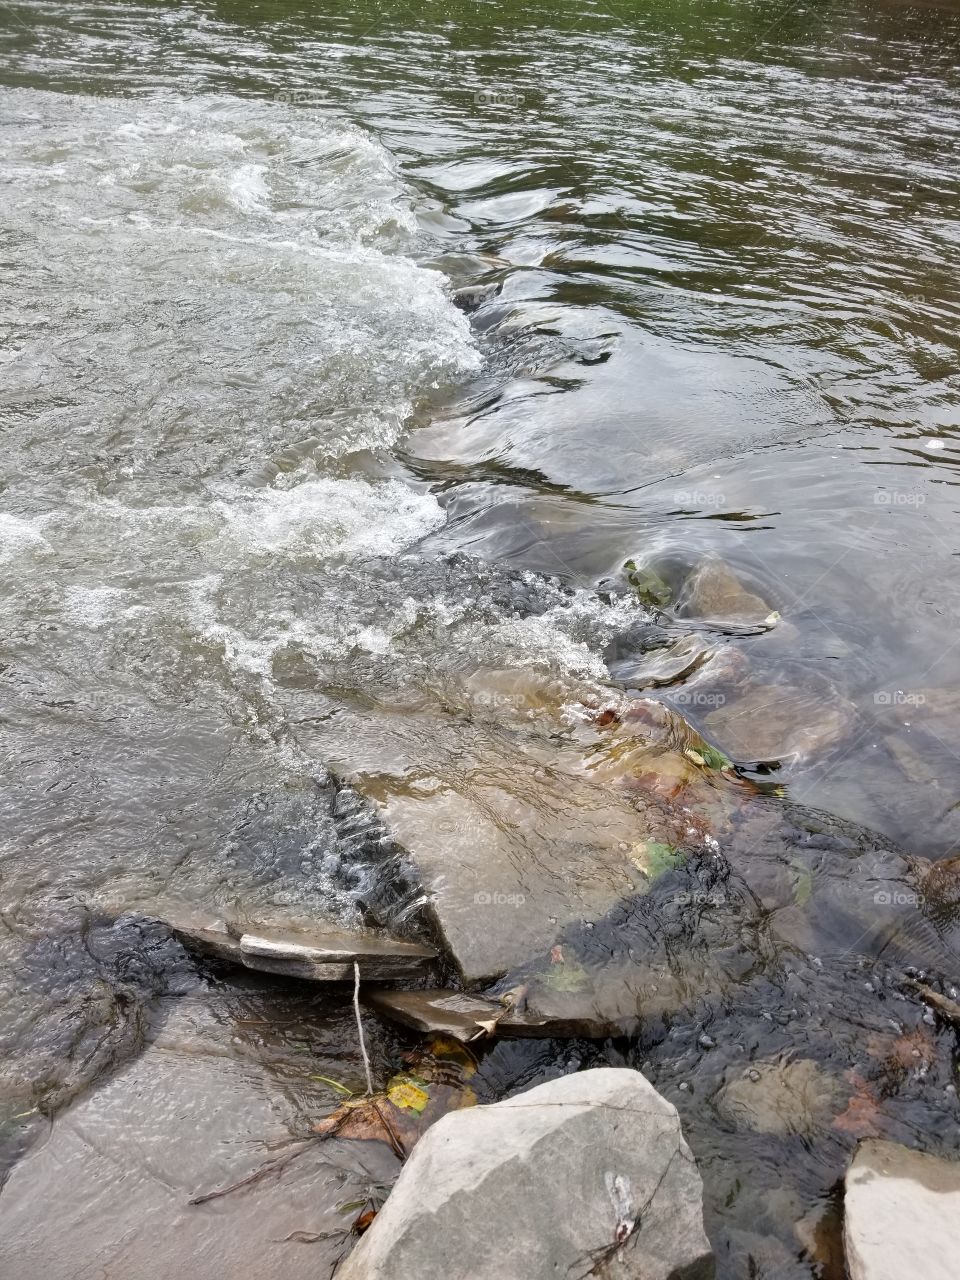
{"x":248,"y":188}
{"x":20,"y":537}
{"x":327,"y":517}
{"x":94,"y":606}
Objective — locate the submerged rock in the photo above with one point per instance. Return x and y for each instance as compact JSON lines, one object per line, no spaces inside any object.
{"x":781,"y":723}
{"x":665,"y":665}
{"x":780,"y":1097}
{"x":203,"y":1107}
{"x":588,"y":1174}
{"x":901,"y":1214}
{"x":713,"y":592}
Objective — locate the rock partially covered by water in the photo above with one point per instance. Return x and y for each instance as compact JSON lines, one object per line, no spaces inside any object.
{"x":901,"y":1214}
{"x":588,"y":1174}
{"x":780,"y":723}
{"x":207,"y":1104}
{"x":715,"y":593}
{"x":471,"y":1017}
{"x":320,"y":954}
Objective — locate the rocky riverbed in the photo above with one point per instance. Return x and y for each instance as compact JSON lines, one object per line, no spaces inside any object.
{"x":596,"y":883}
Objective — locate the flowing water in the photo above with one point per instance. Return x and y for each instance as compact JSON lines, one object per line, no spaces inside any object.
{"x":349,"y":352}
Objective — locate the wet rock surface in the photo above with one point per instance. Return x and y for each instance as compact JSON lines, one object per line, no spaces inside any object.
{"x":470,"y":1018}
{"x":781,"y":724}
{"x":315,"y":955}
{"x":82,"y":1007}
{"x":585,"y":1175}
{"x":591,"y":849}
{"x":118,"y":1170}
{"x":780,"y":1097}
{"x":901,"y":1214}
{"x":714,"y":593}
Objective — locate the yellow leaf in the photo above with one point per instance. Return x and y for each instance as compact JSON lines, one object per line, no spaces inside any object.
{"x":407,"y":1096}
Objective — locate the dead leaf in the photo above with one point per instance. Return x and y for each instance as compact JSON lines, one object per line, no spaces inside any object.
{"x":863,"y":1115}
{"x":412,"y":1101}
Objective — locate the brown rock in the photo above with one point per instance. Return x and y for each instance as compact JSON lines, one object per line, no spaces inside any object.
{"x":779,"y":722}
{"x":469,"y":1017}
{"x":713,"y":592}
{"x":780,"y":1097}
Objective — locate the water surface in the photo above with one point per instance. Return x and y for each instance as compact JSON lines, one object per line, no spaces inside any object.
{"x":708,"y":306}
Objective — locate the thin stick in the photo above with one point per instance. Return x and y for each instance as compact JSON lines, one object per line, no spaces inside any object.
{"x":395,"y":1142}
{"x":949,"y":1008}
{"x":273,"y":1166}
{"x":356,"y":1010}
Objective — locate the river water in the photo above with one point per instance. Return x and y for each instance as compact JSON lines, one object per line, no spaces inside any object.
{"x":298,"y":302}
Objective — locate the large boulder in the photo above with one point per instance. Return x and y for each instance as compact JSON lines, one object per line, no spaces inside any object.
{"x":901,"y":1214}
{"x":588,"y":1174}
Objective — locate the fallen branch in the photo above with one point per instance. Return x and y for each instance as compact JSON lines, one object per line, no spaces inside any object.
{"x":943,"y":1004}
{"x":398,"y":1148}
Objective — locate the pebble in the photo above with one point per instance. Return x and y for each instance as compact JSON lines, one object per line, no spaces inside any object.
{"x":706,"y":1042}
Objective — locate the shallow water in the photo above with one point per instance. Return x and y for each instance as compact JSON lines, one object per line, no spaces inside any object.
{"x":711,"y":310}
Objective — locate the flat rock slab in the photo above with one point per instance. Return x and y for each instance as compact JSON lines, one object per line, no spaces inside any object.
{"x":543,"y":1185}
{"x":322,"y":956}
{"x":776,"y":722}
{"x":107,"y":1196}
{"x":512,"y":853}
{"x":468,"y":1017}
{"x":901,"y":1214}
{"x":514,"y":831}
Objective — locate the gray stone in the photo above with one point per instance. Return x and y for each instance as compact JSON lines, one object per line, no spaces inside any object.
{"x":901,"y":1214}
{"x":469,"y":1017}
{"x":543,"y":1185}
{"x":107,"y":1196}
{"x":318,"y":955}
{"x":376,"y":956}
